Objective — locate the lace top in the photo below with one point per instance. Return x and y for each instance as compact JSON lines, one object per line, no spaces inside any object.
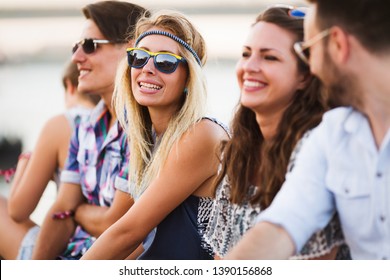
{"x":228,"y":223}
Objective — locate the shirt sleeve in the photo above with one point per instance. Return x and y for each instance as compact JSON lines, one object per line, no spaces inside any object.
{"x":323,"y":241}
{"x":304,"y":205}
{"x":121,"y":181}
{"x":71,"y":172}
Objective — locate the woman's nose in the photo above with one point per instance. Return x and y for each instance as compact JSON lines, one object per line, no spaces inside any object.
{"x":252,"y":64}
{"x":149,"y":66}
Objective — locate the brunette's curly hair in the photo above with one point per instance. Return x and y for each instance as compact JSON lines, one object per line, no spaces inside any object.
{"x":246,"y":158}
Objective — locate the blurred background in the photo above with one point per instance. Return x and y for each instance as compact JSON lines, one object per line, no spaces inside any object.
{"x":36,"y":38}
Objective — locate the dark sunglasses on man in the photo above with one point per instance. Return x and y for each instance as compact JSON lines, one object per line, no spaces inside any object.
{"x":90,"y":45}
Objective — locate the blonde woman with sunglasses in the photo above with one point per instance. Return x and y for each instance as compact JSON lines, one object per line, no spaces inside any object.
{"x":161,"y":101}
{"x":93,"y":192}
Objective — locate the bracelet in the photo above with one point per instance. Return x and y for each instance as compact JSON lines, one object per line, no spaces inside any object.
{"x":25,"y":155}
{"x":7,"y":174}
{"x":62,"y":215}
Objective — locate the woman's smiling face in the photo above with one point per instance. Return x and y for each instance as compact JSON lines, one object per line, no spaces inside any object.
{"x":155,"y":89}
{"x":267,"y":72}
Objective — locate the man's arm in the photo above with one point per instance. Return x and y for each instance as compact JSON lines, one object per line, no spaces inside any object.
{"x":264,"y":241}
{"x":55,"y":233}
{"x":96,"y":219}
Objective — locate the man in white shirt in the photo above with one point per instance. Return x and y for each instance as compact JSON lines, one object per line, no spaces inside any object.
{"x":344,"y":165}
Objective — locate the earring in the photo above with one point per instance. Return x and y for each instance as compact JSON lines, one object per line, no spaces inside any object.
{"x":185,"y":91}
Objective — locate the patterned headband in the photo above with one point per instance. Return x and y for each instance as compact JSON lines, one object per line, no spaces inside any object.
{"x":173,"y":37}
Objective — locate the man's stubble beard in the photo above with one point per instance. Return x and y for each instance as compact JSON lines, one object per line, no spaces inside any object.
{"x":342,"y":89}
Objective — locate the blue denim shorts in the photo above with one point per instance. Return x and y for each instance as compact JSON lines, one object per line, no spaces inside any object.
{"x":28,"y":243}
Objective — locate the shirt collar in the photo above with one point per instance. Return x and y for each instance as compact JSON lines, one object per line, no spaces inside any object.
{"x":353,"y":121}
{"x":97,"y":112}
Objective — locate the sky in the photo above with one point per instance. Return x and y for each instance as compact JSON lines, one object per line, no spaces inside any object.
{"x":24,"y":33}
{"x":177,"y":3}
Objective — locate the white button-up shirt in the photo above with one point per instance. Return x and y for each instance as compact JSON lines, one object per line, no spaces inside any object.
{"x":339,"y":168}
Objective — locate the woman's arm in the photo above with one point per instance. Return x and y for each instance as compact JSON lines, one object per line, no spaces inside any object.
{"x":189,"y":168}
{"x":96,"y":219}
{"x":265,"y":241}
{"x":23,"y":161}
{"x":32,"y":177}
{"x":55,"y":233}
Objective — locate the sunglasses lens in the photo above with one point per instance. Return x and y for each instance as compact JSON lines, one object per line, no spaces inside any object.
{"x":137,"y":58}
{"x":75,"y":47}
{"x":298,"y":12}
{"x":166,"y":63}
{"x":88,"y":46}
{"x":306,"y":53}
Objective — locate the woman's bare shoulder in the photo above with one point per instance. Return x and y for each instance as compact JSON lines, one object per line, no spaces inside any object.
{"x":208,"y":131}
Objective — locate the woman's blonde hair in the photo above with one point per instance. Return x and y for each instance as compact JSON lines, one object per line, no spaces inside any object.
{"x":146,"y":159}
